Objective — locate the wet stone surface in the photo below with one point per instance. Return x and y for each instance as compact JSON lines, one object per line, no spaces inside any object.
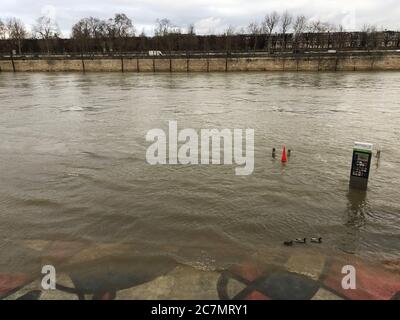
{"x":87,"y":271}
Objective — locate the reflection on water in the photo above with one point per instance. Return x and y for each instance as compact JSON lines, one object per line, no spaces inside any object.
{"x":73,"y":167}
{"x":358,"y":209}
{"x":357,"y":216}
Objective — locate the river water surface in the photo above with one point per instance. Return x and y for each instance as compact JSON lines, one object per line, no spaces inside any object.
{"x":73,"y":165}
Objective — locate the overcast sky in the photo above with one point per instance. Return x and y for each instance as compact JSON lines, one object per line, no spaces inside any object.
{"x":209,"y":16}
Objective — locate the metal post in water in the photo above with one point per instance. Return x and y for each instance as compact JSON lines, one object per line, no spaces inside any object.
{"x":361,"y":164}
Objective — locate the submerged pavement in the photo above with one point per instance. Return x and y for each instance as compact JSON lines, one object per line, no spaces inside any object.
{"x":98,"y":271}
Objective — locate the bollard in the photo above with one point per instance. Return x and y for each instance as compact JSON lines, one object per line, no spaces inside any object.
{"x":284,"y":158}
{"x":361,"y":164}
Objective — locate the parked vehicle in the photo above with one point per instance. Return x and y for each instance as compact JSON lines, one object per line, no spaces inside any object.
{"x":153,"y":53}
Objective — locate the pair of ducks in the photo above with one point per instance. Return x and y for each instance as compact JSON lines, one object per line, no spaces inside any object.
{"x":303,"y":241}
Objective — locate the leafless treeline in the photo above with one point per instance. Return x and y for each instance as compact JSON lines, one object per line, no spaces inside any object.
{"x":275,"y":33}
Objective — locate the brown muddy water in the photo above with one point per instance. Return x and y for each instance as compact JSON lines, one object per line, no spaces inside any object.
{"x":73,"y":166}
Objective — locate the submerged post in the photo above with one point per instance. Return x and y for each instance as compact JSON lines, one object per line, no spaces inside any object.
{"x":361,"y":164}
{"x":12,"y":59}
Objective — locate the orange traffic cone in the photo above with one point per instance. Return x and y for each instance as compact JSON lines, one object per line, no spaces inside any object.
{"x":284,"y":159}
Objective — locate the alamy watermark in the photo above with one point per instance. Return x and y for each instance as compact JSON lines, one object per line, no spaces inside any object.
{"x":49,"y":278}
{"x":188,"y":146}
{"x":349,"y":280}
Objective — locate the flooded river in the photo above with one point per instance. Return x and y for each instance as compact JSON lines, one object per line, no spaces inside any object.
{"x":73,"y":164}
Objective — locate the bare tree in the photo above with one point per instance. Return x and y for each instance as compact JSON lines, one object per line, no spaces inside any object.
{"x":191,"y":42}
{"x":339,"y":37}
{"x":386,"y":38}
{"x":143,"y":40}
{"x":230,"y":30}
{"x":166,"y":33}
{"x":98,"y":31}
{"x":89,"y":30}
{"x":397,"y":41}
{"x":254,"y":29}
{"x":299,"y":27}
{"x":318,"y":29}
{"x":318,"y":26}
{"x":46,"y":29}
{"x":270,"y":23}
{"x":81,"y":34}
{"x":90,"y":27}
{"x":17,"y":32}
{"x":191,"y":29}
{"x":97,"y":28}
{"x":93,"y":35}
{"x":120,"y":28}
{"x":368,"y":28}
{"x":228,"y":33}
{"x":340,"y":28}
{"x":80,"y":29}
{"x":3,"y":30}
{"x":369,"y":36}
{"x":163,"y":27}
{"x":286,"y":21}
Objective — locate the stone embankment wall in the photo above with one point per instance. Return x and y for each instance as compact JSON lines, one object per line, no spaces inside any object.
{"x":321,"y":62}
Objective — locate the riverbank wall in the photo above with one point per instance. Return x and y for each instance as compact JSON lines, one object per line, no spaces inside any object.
{"x":304,"y":62}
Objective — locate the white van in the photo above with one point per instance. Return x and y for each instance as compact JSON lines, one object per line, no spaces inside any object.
{"x":153,"y":53}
